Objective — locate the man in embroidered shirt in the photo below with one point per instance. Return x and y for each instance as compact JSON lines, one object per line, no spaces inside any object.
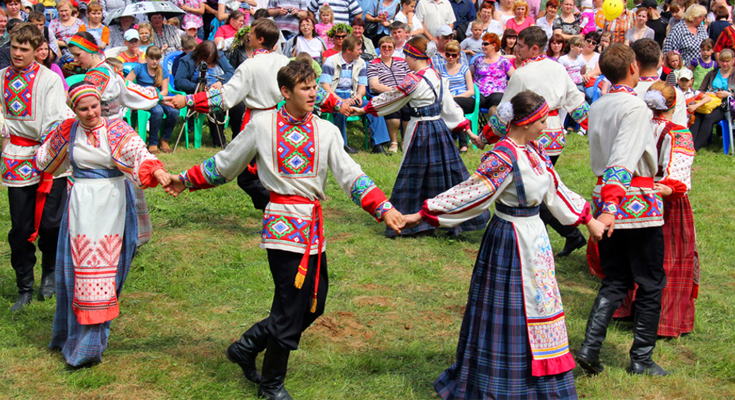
{"x":33,"y":104}
{"x":433,"y":14}
{"x":345,"y":75}
{"x":624,"y":158}
{"x":293,"y":231}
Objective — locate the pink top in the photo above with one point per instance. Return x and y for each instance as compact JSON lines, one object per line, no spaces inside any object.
{"x":225,"y":32}
{"x":321,"y":30}
{"x":511,"y":24}
{"x":55,"y":68}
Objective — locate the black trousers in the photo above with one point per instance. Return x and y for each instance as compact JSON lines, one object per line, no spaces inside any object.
{"x":250,"y":183}
{"x":703,"y":125}
{"x":634,"y":256}
{"x":291,"y":309}
{"x":566,"y":231}
{"x":22,"y":204}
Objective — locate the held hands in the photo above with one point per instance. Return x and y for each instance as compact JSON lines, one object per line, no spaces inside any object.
{"x":162,"y":177}
{"x":346,"y":108}
{"x":596,"y":229}
{"x":168,"y":100}
{"x":178,"y":102}
{"x":394,"y":219}
{"x":175,"y":186}
{"x":358,"y":111}
{"x":608,"y":220}
{"x":476,"y":140}
{"x":664,"y":190}
{"x":411,"y":220}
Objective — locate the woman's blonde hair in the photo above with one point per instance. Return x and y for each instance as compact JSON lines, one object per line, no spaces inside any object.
{"x":521,"y":3}
{"x":453,"y":45}
{"x":67,"y":3}
{"x":155,"y":53}
{"x":694,"y":11}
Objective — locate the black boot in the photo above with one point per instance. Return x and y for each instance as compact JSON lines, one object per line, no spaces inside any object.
{"x":25,"y":290}
{"x":274,"y":373}
{"x":244,"y":351}
{"x":644,"y":341}
{"x":574,"y":242}
{"x":588,"y":355}
{"x":24,"y":299}
{"x":351,"y":150}
{"x":378,"y":149}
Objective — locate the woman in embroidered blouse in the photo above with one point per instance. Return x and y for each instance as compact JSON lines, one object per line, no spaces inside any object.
{"x":686,"y":38}
{"x":681,"y":259}
{"x":63,"y":28}
{"x":567,"y":24}
{"x":491,"y":72}
{"x":514,"y":297}
{"x":431,"y":163}
{"x":98,"y":233}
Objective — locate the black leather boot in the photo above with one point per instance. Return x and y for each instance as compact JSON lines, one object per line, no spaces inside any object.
{"x":48,"y":277}
{"x":275,"y":365}
{"x":588,"y":355}
{"x":24,"y":299}
{"x":244,"y":351}
{"x":25,"y":291}
{"x":644,"y":341}
{"x":574,"y":242}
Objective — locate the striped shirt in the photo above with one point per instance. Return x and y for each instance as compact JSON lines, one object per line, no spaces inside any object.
{"x":344,"y":10}
{"x":288,"y":22}
{"x":389,"y":76}
{"x":457,"y":83}
{"x":345,"y":76}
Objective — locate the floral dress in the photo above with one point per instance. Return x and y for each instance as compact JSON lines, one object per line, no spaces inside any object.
{"x":491,"y":78}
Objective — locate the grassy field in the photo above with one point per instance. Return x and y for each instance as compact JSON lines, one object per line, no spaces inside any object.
{"x":393,"y":313}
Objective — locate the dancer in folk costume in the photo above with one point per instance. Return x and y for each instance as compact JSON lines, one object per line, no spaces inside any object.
{"x":624,"y":158}
{"x":254,"y":83}
{"x":681,"y":258}
{"x":514,"y":303}
{"x":32,"y":103}
{"x":550,"y":80}
{"x":98,"y":231}
{"x":431,"y":163}
{"x":648,"y":56}
{"x":116,"y":93}
{"x":294,"y":150}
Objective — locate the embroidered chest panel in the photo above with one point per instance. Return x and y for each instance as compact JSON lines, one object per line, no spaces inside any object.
{"x":295,"y":149}
{"x":18,"y":93}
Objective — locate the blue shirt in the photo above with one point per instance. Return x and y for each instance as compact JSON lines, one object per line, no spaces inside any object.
{"x":457,"y":83}
{"x":719,"y":83}
{"x":143,"y":78}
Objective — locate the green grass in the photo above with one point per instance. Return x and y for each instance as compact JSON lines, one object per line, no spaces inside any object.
{"x":393,"y":313}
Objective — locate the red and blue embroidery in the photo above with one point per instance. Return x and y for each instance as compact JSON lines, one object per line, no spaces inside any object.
{"x":18,"y":92}
{"x":98,"y":77}
{"x":295,"y":147}
{"x":288,"y":229}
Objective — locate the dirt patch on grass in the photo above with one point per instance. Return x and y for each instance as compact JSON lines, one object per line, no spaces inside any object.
{"x":456,"y":309}
{"x":380,"y":301}
{"x":342,"y":328}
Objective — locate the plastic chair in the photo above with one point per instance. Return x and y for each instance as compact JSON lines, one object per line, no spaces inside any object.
{"x":74,"y":79}
{"x":597,"y":91}
{"x":475,"y":57}
{"x":726,"y":136}
{"x":474,"y":116}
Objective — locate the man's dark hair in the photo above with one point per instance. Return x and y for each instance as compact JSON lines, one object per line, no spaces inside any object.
{"x":294,"y":73}
{"x":268,"y":30}
{"x":647,"y":53}
{"x":351,"y":42}
{"x":36,"y":16}
{"x":615,"y":61}
{"x":26,"y":32}
{"x":534,"y":35}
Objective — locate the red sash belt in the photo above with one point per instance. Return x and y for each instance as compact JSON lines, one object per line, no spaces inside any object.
{"x":44,"y":188}
{"x":637,"y":181}
{"x":553,"y":113}
{"x":304,"y":265}
{"x":252,"y":168}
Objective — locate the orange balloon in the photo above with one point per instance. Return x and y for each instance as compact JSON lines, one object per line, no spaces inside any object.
{"x":600,"y":19}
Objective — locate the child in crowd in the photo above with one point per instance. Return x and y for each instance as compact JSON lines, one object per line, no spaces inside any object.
{"x":145,"y":31}
{"x":132,"y":53}
{"x":587,"y":18}
{"x":694,"y":98}
{"x":704,"y":63}
{"x":326,"y":22}
{"x":191,"y":30}
{"x":605,"y":40}
{"x":672,"y":67}
{"x":407,"y":15}
{"x":473,"y":44}
{"x":151,"y":73}
{"x":94,"y":25}
{"x":573,"y":63}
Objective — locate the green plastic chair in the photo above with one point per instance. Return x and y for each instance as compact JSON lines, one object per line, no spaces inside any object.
{"x":474,"y":117}
{"x":74,"y":79}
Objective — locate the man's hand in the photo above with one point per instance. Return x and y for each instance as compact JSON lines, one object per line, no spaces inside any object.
{"x":345,"y":109}
{"x":609,"y":221}
{"x":411,"y":220}
{"x":175,"y":186}
{"x":178,"y":102}
{"x":163,"y":177}
{"x":394,"y":219}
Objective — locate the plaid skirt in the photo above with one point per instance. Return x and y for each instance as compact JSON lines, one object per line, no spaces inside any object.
{"x":494,"y":355}
{"x":681,"y":264}
{"x":431,"y":166}
{"x":83,"y":344}
{"x":144,"y":218}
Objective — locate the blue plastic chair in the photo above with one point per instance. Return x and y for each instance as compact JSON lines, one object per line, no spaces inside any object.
{"x":726,"y":136}
{"x":475,"y":57}
{"x":597,"y":91}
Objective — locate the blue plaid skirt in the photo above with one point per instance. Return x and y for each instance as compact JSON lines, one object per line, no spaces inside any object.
{"x":494,"y":355}
{"x":431,"y":166}
{"x":83,"y":344}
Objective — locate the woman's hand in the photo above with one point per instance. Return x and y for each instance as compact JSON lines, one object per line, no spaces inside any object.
{"x":163,"y":177}
{"x":664,"y":190}
{"x":358,"y":111}
{"x":596,"y":229}
{"x":723,"y":94}
{"x":216,"y":85}
{"x":411,"y":220}
{"x":476,"y":140}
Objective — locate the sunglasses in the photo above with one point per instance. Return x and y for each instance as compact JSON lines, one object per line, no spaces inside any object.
{"x":340,"y":36}
{"x":486,"y":43}
{"x":592,"y":42}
